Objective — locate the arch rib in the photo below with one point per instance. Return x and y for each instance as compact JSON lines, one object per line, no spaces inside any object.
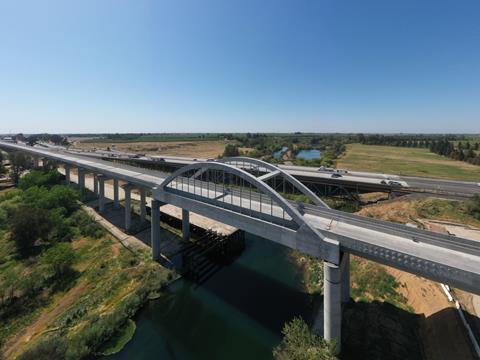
{"x":294,"y":182}
{"x":260,"y":185}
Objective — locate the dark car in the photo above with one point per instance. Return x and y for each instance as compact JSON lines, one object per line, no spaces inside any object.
{"x":394,"y":184}
{"x":335,"y":175}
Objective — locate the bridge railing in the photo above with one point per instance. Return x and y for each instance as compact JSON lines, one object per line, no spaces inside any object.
{"x":232,"y":192}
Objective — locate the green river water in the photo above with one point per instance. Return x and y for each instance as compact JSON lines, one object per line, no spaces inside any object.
{"x":237,"y":314}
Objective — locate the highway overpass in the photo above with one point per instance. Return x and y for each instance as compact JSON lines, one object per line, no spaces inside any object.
{"x":225,"y":191}
{"x":353,"y":181}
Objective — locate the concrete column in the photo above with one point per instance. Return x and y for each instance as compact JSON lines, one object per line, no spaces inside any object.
{"x":67,"y":174}
{"x":345,"y":277}
{"x":101,"y":198}
{"x":155,"y":230}
{"x":116,"y":203}
{"x":332,"y":308}
{"x":143,"y":205}
{"x":36,"y":162}
{"x":95,"y":184}
{"x":81,"y":180}
{"x":185,"y":224}
{"x":128,"y":206}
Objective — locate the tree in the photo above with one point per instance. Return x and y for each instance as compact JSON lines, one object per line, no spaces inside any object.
{"x":18,"y":164}
{"x":29,"y":224}
{"x":300,"y":344}
{"x":231,"y":150}
{"x":59,"y":259}
{"x":32,"y":140}
{"x":39,"y":178}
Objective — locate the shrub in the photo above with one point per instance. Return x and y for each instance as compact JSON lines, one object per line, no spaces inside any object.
{"x":300,"y":344}
{"x":87,"y":225}
{"x":474,"y":207}
{"x":59,"y":258}
{"x":50,"y":348}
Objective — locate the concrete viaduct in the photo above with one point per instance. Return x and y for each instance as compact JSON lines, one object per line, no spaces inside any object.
{"x":227,"y":192}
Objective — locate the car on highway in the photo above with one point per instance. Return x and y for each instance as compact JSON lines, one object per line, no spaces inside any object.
{"x":395,"y":184}
{"x":336,"y":175}
{"x":326,"y":169}
{"x":383,"y":182}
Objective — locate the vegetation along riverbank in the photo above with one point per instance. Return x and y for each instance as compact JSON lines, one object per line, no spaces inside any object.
{"x":67,"y":289}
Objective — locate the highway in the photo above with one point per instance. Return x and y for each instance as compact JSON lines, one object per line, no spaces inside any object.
{"x":353,"y":179}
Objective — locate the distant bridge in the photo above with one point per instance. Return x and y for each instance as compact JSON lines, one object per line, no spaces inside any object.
{"x":350,"y":183}
{"x":229,"y":191}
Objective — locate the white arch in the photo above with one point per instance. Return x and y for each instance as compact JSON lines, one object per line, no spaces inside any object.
{"x":260,"y":185}
{"x":294,"y":182}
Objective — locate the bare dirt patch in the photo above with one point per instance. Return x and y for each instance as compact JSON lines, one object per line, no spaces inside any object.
{"x":401,"y":210}
{"x":441,"y":329}
{"x":203,"y":149}
{"x":44,"y":320}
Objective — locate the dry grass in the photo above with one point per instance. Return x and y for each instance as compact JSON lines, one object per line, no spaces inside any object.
{"x":202,"y":149}
{"x":406,"y":161}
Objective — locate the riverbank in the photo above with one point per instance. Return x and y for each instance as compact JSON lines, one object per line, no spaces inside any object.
{"x":73,"y":288}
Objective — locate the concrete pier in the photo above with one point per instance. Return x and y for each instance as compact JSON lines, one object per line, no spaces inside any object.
{"x":116,"y":202}
{"x":143,"y":205}
{"x":345,"y":277}
{"x":155,"y":229}
{"x":95,"y":184}
{"x":185,"y":224}
{"x":101,"y":198}
{"x":332,"y":308}
{"x":127,"y":188}
{"x":36,"y":162}
{"x":67,"y":174}
{"x":81,"y":180}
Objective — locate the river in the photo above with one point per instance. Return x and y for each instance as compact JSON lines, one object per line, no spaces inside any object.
{"x":236,"y":314}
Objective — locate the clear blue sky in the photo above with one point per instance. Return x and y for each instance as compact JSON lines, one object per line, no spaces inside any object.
{"x":239,"y":65}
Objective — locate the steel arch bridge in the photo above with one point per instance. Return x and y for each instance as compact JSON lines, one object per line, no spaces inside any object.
{"x":271,"y":172}
{"x":247,"y":202}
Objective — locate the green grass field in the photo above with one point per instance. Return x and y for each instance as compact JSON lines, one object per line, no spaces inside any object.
{"x":406,"y":161}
